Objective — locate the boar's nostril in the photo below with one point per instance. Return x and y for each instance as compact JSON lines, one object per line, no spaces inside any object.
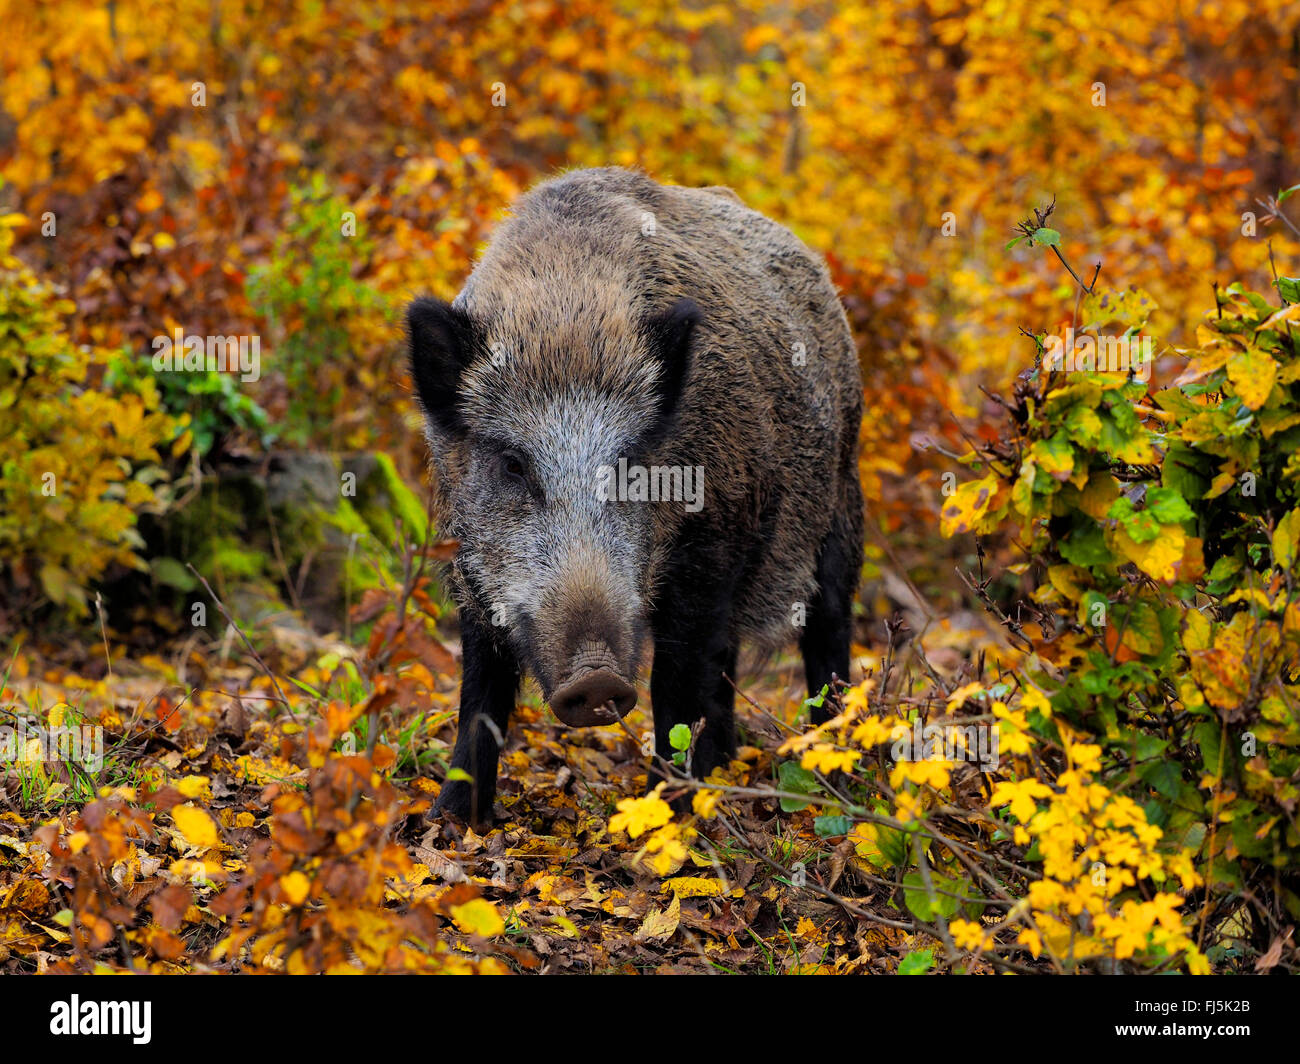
{"x":600,"y":696}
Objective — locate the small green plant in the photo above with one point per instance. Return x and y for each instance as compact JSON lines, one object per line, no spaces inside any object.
{"x":212,"y":400}
{"x":311,"y":300}
{"x":816,"y":701}
{"x":918,"y":962}
{"x":410,"y":743}
{"x":679,"y":738}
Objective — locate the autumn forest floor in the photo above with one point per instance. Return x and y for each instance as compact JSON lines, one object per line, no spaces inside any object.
{"x":759,"y":889}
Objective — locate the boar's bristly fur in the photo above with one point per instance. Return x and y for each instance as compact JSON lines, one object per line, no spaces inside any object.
{"x":614,"y":323}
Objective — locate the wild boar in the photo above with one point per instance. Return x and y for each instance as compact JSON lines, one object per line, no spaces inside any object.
{"x":643,"y":413}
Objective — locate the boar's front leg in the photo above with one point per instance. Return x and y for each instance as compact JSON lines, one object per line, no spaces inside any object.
{"x":489,"y":683}
{"x":695,"y":654}
{"x":826,"y":636}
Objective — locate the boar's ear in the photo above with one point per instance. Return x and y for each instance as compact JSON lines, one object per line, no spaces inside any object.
{"x":669,"y":333}
{"x":442,"y":344}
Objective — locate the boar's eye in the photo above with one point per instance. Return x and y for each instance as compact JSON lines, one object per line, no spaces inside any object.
{"x":513,"y":468}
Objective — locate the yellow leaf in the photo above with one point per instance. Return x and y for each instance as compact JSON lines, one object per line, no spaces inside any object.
{"x":1035,"y":699}
{"x":964,"y":694}
{"x":1221,"y":669}
{"x":1206,"y":363}
{"x":478,"y":917}
{"x":1291,"y":313}
{"x":296,"y":887}
{"x":1252,"y":372}
{"x":1021,"y":796}
{"x":193,"y":786}
{"x":639,"y":815}
{"x":705,"y":803}
{"x":1065,"y":578}
{"x":661,"y":923}
{"x":1197,"y":634}
{"x":693,"y":887}
{"x":1286,"y":538}
{"x":197,"y":827}
{"x":1098,"y":495}
{"x":1030,"y":938}
{"x":968,"y":505}
{"x":1160,"y":558}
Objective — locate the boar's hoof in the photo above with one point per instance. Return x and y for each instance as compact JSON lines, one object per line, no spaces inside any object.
{"x":596,"y":697}
{"x":454,"y":799}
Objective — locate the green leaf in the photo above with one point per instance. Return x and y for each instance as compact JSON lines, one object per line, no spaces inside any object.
{"x":1083,"y":426}
{"x":1208,"y":737}
{"x":1047,"y":237}
{"x":171,"y":573}
{"x":1224,"y":569}
{"x":1141,"y":525}
{"x":1123,"y":437}
{"x":918,"y":962}
{"x":1181,"y":470}
{"x":459,"y":774}
{"x":1167,"y":506}
{"x":796,"y":779}
{"x":679,"y":738}
{"x":922,"y":906}
{"x":58,"y":583}
{"x":1086,"y":547}
{"x":1289,"y":288}
{"x":817,"y":700}
{"x":1164,"y":776}
{"x":828,"y":826}
{"x":1149,"y":746}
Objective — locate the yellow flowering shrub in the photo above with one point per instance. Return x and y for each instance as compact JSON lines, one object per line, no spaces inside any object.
{"x":77,"y":465}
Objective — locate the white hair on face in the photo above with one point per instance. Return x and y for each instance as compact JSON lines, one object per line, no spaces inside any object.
{"x":534,"y":559}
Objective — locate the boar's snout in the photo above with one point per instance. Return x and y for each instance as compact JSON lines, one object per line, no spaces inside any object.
{"x":594,"y":693}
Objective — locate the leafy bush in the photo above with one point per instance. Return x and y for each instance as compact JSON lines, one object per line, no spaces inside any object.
{"x":315,"y":306}
{"x":1166,"y":621}
{"x":211,"y":400}
{"x":77,"y":465}
{"x":1116,"y":788}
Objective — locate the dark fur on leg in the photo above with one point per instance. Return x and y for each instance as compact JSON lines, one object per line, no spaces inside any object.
{"x":695,"y":653}
{"x":827,"y":634}
{"x":488,"y":687}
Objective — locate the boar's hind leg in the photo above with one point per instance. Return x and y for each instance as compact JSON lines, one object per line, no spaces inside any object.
{"x":825,"y":639}
{"x":488,"y":686}
{"x":694,"y":655}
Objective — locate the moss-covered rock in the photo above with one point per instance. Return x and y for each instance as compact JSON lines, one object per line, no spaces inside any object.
{"x":311,"y":531}
{"x":383,"y":499}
